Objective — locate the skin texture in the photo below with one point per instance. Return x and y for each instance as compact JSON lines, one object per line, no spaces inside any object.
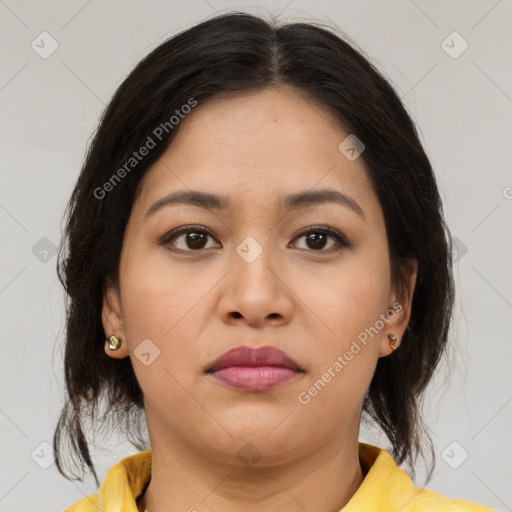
{"x":194,"y":306}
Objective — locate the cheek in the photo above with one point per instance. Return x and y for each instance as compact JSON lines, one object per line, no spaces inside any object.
{"x":158,"y":306}
{"x":349,"y":304}
{"x":153,"y":299}
{"x":150,"y":303}
{"x":167,"y":304}
{"x":347,"y":298}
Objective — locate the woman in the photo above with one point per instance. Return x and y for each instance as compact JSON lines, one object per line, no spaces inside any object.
{"x":255,"y":256}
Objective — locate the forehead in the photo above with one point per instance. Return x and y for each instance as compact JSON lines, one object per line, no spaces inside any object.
{"x":258,"y":147}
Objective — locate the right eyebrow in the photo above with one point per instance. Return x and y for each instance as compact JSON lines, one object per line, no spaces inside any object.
{"x":191,"y":197}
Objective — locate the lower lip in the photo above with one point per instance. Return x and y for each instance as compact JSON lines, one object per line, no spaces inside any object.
{"x":255,"y":378}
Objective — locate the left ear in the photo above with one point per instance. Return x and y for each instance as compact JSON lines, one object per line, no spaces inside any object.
{"x":401,"y":304}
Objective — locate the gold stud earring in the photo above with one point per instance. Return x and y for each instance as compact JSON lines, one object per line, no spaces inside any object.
{"x":393,"y":340}
{"x":114,"y":342}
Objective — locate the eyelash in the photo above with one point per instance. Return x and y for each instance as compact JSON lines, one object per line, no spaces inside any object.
{"x":342,"y":242}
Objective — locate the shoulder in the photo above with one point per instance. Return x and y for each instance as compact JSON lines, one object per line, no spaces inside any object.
{"x":427,"y":501}
{"x":388,"y":487}
{"x":122,"y":484}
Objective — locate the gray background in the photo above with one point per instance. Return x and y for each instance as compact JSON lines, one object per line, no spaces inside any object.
{"x":50,"y":107}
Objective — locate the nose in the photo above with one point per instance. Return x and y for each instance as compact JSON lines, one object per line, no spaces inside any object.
{"x":256,"y":293}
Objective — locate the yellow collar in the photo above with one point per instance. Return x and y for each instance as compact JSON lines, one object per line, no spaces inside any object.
{"x":385,"y":488}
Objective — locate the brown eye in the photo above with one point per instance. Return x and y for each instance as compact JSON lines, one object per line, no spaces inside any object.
{"x":317,"y":238}
{"x":322,"y":239}
{"x":195,"y":240}
{"x":187,"y":239}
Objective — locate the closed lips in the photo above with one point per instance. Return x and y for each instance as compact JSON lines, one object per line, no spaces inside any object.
{"x":254,"y":357}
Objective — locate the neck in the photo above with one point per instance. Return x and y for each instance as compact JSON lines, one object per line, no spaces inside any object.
{"x":321,"y":481}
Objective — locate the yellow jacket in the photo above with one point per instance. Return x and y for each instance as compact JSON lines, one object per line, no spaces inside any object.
{"x":385,"y":488}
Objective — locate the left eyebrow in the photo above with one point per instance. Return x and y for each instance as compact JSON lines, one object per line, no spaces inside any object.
{"x":295,"y":201}
{"x":326,"y":195}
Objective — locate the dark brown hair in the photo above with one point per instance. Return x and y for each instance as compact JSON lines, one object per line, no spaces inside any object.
{"x":232,"y":54}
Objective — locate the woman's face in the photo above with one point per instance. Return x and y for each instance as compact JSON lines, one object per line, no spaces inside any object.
{"x":257,"y":271}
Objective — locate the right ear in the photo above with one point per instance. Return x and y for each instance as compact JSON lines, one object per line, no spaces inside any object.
{"x":112,"y":319}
